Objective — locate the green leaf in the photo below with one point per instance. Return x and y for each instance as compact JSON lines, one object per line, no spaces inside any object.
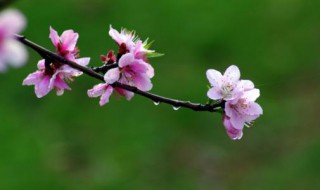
{"x":148,"y":45}
{"x":154,"y":54}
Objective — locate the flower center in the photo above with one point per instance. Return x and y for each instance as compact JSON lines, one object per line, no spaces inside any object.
{"x":241,"y":106}
{"x":226,"y":90}
{"x":51,"y":68}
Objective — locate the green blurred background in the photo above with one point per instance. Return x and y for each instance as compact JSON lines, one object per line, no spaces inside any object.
{"x":72,"y":143}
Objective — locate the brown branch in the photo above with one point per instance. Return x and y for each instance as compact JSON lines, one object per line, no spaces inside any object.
{"x":47,"y":54}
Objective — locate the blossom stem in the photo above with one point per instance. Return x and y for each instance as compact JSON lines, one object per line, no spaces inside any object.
{"x":49,"y":55}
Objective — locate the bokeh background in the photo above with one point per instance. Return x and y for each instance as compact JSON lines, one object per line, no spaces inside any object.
{"x":72,"y":143}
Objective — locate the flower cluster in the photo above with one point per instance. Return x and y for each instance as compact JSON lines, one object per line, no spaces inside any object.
{"x":11,"y":51}
{"x":133,"y":67}
{"x":52,"y":74}
{"x":239,"y":96}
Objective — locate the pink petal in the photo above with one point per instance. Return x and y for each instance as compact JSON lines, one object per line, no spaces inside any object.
{"x":106,"y":95}
{"x":125,"y":93}
{"x":33,"y":78}
{"x":68,"y":71}
{"x":54,"y":37}
{"x":83,"y":61}
{"x":61,"y":84}
{"x":41,"y":64}
{"x":115,"y":35}
{"x":245,"y":85}
{"x":143,"y":82}
{"x":214,"y":77}
{"x":97,"y":90}
{"x":233,"y":133}
{"x":214,"y":94}
{"x":112,"y":75}
{"x":150,"y":70}
{"x":126,"y":60}
{"x":254,"y":109}
{"x":139,"y":51}
{"x":128,"y":95}
{"x":69,"y":40}
{"x":232,"y":73}
{"x":139,"y":68}
{"x":52,"y":79}
{"x":236,"y":118}
{"x":251,"y":95}
{"x":42,"y":88}
{"x":11,"y":22}
{"x":238,"y":121}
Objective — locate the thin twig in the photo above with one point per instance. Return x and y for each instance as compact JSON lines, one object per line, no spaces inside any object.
{"x":47,"y":54}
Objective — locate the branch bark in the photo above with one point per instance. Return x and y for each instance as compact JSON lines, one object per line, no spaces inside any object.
{"x":47,"y":54}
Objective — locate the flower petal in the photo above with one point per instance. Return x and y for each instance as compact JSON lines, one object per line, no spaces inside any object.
{"x":245,"y":85}
{"x":150,"y":69}
{"x":232,"y":73}
{"x":214,"y":94}
{"x":83,"y":61}
{"x":233,"y":133}
{"x":41,"y":64}
{"x":97,"y":90}
{"x":126,"y":60}
{"x":112,"y":76}
{"x":69,"y":40}
{"x":115,"y":35}
{"x":236,"y":119}
{"x":125,"y":93}
{"x":54,"y":37}
{"x":254,"y":109}
{"x":143,"y":82}
{"x":214,"y":77}
{"x":42,"y":88}
{"x":33,"y":78}
{"x":61,"y":84}
{"x":251,"y":95}
{"x":139,"y":67}
{"x":106,"y":95}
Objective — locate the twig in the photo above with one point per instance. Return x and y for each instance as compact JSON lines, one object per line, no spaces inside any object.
{"x":47,"y":54}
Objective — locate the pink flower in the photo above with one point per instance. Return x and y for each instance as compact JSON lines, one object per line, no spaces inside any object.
{"x":224,"y":86}
{"x":103,"y":90}
{"x":131,"y":71}
{"x":244,"y":110}
{"x":11,"y":51}
{"x":240,"y":108}
{"x":65,"y":44}
{"x":55,"y":75}
{"x":232,"y":132}
{"x":128,"y":42}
